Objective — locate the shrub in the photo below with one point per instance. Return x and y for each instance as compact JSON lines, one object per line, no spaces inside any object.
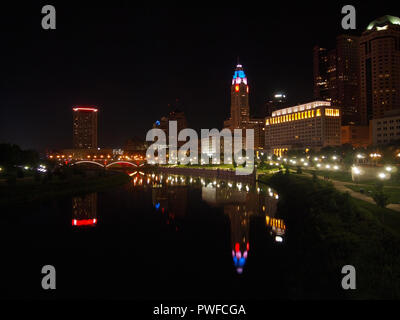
{"x":380,"y":197}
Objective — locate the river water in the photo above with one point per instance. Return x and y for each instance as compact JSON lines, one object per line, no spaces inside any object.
{"x":159,"y":237}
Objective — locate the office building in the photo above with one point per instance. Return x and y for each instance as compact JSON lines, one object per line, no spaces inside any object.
{"x":336,"y":77}
{"x":357,"y":136}
{"x":386,"y":130}
{"x":380,"y":68}
{"x":309,"y":126}
{"x":85,"y":127}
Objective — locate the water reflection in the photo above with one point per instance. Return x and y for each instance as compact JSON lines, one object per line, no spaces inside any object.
{"x":239,"y":201}
{"x":171,"y":202}
{"x":84,"y":210}
{"x":277,"y":226}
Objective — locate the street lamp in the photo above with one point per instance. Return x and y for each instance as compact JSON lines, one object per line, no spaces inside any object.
{"x":356,"y":172}
{"x":382,"y":176}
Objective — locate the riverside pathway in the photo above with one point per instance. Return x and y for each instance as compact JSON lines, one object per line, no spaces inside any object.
{"x":341,"y":186}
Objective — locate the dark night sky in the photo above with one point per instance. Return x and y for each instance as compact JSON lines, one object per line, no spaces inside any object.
{"x":132,"y":62}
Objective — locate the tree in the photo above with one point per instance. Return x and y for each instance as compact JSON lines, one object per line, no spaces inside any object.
{"x":11,"y":155}
{"x":380,"y":197}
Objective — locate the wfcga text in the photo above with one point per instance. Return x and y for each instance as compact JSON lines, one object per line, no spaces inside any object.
{"x":219,"y":309}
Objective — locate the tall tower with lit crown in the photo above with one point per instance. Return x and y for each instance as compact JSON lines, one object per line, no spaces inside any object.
{"x":240,"y":110}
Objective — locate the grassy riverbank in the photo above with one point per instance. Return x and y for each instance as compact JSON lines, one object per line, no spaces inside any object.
{"x":392,"y":192}
{"x":332,"y":230}
{"x":344,"y":176}
{"x":29,"y":190}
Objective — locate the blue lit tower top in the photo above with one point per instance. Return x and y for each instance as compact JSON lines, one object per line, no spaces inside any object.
{"x":239,"y":76}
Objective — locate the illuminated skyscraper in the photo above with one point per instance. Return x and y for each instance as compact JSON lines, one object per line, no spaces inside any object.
{"x":380,"y":68}
{"x":85,"y":128}
{"x":240,"y":109}
{"x":336,"y":77}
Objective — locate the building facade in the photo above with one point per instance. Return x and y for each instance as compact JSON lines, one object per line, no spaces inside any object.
{"x":309,"y":126}
{"x":380,"y":68}
{"x":324,"y":62}
{"x":85,"y":127}
{"x":336,"y":77}
{"x":387,"y":129}
{"x":258,"y":125}
{"x":357,"y":136}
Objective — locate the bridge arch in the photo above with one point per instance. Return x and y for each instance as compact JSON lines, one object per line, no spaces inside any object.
{"x":121,"y":162}
{"x":89,"y":162}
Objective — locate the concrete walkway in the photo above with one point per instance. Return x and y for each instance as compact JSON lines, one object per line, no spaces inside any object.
{"x":341,"y":186}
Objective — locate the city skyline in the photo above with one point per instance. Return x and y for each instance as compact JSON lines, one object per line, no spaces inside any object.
{"x":132,"y":92}
{"x":166,"y":155}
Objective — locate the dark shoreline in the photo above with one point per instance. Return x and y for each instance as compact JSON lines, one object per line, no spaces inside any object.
{"x":25,"y":193}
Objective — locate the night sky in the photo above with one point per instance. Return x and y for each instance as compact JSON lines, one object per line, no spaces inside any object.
{"x":132,"y":62}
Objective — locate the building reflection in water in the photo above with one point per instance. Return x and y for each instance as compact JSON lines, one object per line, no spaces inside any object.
{"x":84,"y":210}
{"x":171,"y":202}
{"x":239,"y":201}
{"x":278,"y":228}
{"x":169,"y":197}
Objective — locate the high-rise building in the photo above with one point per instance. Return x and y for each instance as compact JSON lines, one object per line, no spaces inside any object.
{"x":240,"y":108}
{"x":336,"y":77}
{"x":85,"y":127}
{"x":324,"y":73}
{"x":278,"y":101}
{"x":380,"y":68}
